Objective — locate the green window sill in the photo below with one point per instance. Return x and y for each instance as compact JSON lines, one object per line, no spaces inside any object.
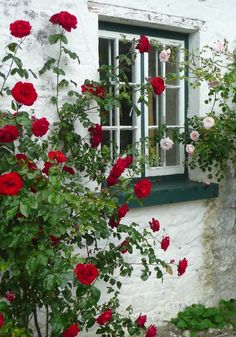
{"x":172,"y":189}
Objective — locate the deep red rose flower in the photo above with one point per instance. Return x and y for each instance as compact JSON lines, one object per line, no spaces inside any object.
{"x":47,"y":166}
{"x":54,"y":240}
{"x":118,"y":167}
{"x":112,"y":180}
{"x":105,"y":317}
{"x":165,"y":242}
{"x":10,"y":296}
{"x":155,"y":225}
{"x":64,"y":19}
{"x":58,"y":156}
{"x":40,"y":127}
{"x":151,"y":331}
{"x":142,"y":188}
{"x":8,"y":133}
{"x":71,"y":331}
{"x":123,"y":247}
{"x":2,"y":320}
{"x":10,"y":183}
{"x":122,"y":210}
{"x":143,"y":44}
{"x":22,"y":158}
{"x":94,"y":89}
{"x":128,"y":160}
{"x":68,"y":169}
{"x":158,"y":85}
{"x":20,"y":28}
{"x":95,"y":135}
{"x":182,"y":266}
{"x":141,"y":320}
{"x":24,"y":93}
{"x":86,"y":273}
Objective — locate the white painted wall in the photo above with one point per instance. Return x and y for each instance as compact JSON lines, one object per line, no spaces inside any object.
{"x":202,"y":231}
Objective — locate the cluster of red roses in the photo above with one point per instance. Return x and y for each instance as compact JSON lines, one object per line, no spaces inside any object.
{"x":95,"y":135}
{"x":151,"y":330}
{"x":94,"y":89}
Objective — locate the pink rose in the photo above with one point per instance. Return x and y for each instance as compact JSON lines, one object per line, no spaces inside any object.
{"x":194,"y":135}
{"x":218,"y":47}
{"x":208,"y":122}
{"x":166,"y":143}
{"x":190,"y":149}
{"x":164,"y":55}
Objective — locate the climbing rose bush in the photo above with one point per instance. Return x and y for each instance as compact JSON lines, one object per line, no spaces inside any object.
{"x":61,"y":239}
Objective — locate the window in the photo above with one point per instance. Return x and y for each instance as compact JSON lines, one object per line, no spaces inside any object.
{"x":122,"y":127}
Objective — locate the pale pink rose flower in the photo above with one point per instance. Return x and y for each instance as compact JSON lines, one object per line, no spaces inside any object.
{"x":194,"y":135}
{"x":218,"y":47}
{"x":213,"y":83}
{"x":166,"y":143}
{"x":207,"y":182}
{"x":208,"y":122}
{"x":190,"y":149}
{"x":164,"y":55}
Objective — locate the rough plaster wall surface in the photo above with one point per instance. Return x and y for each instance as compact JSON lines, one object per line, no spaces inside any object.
{"x":202,"y":231}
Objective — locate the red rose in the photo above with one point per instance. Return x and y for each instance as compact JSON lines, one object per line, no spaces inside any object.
{"x":143,"y":44}
{"x":155,"y":225}
{"x":64,"y":19}
{"x":118,"y":167}
{"x":1,"y":319}
{"x":112,"y":180}
{"x":122,"y":210}
{"x":40,"y":127}
{"x":182,"y":266}
{"x":128,"y":160}
{"x":58,"y":156}
{"x":142,"y":188}
{"x":8,"y":133}
{"x":165,"y":242}
{"x":86,"y":273}
{"x":141,"y":320}
{"x":22,"y":158}
{"x":20,"y":28}
{"x":68,"y":169}
{"x":105,"y":317}
{"x":151,"y":331}
{"x":47,"y":166}
{"x":54,"y":240}
{"x":158,"y":85}
{"x":71,"y":331}
{"x":10,"y":183}
{"x":94,"y":89}
{"x":10,"y":296}
{"x":123,"y":247}
{"x":95,"y":135}
{"x":24,"y":93}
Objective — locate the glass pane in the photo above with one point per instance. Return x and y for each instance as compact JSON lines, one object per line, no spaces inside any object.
{"x":172,"y":106}
{"x":171,"y":66}
{"x":126,"y":108}
{"x":106,"y":53}
{"x":172,"y":156}
{"x":126,"y":139}
{"x":154,"y":152}
{"x":152,"y":110}
{"x":108,"y":139}
{"x":125,"y":69}
{"x":152,"y":63}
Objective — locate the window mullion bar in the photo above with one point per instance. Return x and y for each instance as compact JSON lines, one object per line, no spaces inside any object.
{"x":116,"y":92}
{"x":163,"y":107}
{"x":110,"y":112}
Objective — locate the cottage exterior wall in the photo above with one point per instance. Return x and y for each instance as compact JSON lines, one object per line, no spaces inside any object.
{"x":202,"y":231}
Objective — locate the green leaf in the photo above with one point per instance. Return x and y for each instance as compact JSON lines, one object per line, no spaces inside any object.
{"x":96,"y":294}
{"x":17,"y":61}
{"x":181,"y":324}
{"x":58,"y":71}
{"x":90,"y":322}
{"x":137,"y":111}
{"x":47,"y":65}
{"x":81,"y":290}
{"x":12,"y":46}
{"x":2,"y":75}
{"x":33,"y":73}
{"x":7,"y":57}
{"x":63,"y":83}
{"x":53,"y":100}
{"x":71,"y":54}
{"x":24,"y":209}
{"x":57,"y":37}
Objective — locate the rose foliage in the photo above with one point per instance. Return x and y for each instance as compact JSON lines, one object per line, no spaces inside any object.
{"x":53,"y":226}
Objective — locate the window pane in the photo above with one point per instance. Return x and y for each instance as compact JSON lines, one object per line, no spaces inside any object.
{"x":172,"y":106}
{"x":126,"y":69}
{"x":154,"y":153}
{"x":106,"y":53}
{"x":109,"y":140}
{"x":126,"y":139}
{"x":152,"y":71}
{"x":126,"y":108}
{"x":171,"y":66}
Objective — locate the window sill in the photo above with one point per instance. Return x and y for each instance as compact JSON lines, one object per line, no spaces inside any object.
{"x":167,"y":190}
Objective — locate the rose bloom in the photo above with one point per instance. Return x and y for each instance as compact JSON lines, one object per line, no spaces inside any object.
{"x":164,"y":55}
{"x":128,"y":160}
{"x":105,"y":317}
{"x":208,"y":122}
{"x":10,"y":296}
{"x":182,"y":266}
{"x":166,"y":143}
{"x":22,"y":159}
{"x":95,"y":135}
{"x":141,"y":320}
{"x":123,"y":247}
{"x":142,"y":188}
{"x":143,"y":45}
{"x":40,"y":127}
{"x":24,"y":93}
{"x":165,"y":242}
{"x":122,"y":210}
{"x":68,"y":169}
{"x":218,"y":47}
{"x":54,"y":240}
{"x":10,"y":183}
{"x":64,"y":19}
{"x":118,"y":167}
{"x":112,"y":180}
{"x":1,"y":319}
{"x":8,"y":133}
{"x":155,"y":225}
{"x":58,"y":156}
{"x":86,"y":273}
{"x":190,"y":149}
{"x":194,"y":135}
{"x":20,"y":28}
{"x":213,"y":84}
{"x":71,"y":331}
{"x":94,"y":89}
{"x":158,"y":85}
{"x":151,"y":331}
{"x":47,"y":166}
